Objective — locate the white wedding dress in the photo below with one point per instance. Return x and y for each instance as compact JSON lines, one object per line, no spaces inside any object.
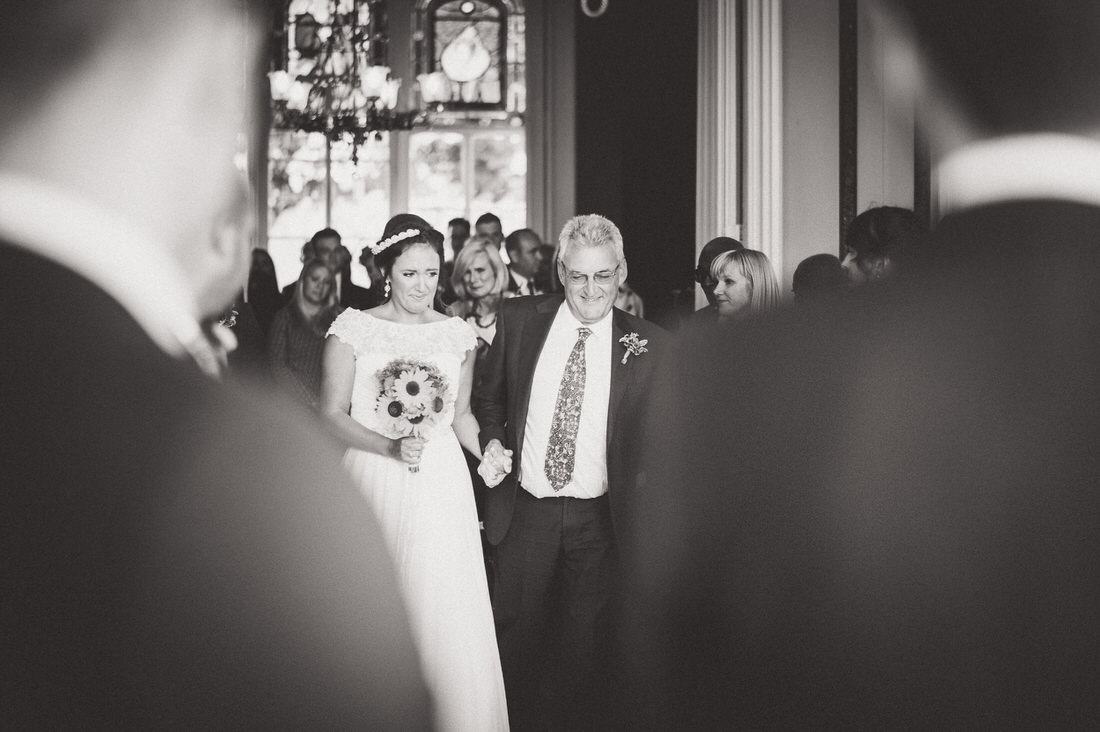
{"x":428,"y":516}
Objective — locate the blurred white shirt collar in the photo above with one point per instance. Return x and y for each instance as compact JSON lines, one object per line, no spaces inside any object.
{"x":110,"y":251}
{"x":1021,"y":167}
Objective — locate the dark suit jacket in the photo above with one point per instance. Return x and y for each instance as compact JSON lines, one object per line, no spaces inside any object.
{"x":889,"y":519}
{"x":174,"y":553}
{"x":503,"y":395}
{"x":351,"y":295}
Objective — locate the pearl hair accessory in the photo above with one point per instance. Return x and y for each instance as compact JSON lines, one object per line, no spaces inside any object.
{"x":390,"y":241}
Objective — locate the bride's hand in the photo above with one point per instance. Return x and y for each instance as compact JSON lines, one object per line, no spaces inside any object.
{"x":407,"y":449}
{"x":495,"y":464}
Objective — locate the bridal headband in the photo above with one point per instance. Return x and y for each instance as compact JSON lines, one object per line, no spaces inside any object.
{"x":391,"y":240}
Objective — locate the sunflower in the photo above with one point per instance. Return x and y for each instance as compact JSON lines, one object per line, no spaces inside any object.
{"x":413,"y":387}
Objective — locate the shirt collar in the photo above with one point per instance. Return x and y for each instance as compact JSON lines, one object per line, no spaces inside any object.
{"x":1021,"y":167}
{"x":568,"y":321}
{"x":520,"y":279}
{"x":115,"y":254}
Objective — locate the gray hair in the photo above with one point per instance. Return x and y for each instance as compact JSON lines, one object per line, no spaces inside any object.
{"x":590,"y":230}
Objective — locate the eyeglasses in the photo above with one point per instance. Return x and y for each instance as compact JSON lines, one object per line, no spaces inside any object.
{"x":604,"y":277}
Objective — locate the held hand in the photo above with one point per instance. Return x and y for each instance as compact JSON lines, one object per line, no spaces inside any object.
{"x":495,"y":464}
{"x":498,"y":457}
{"x":407,"y":449}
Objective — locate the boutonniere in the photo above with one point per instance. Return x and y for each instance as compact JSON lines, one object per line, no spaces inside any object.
{"x":634,"y":345}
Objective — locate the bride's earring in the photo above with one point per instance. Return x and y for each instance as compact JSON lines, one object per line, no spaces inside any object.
{"x":386,"y":291}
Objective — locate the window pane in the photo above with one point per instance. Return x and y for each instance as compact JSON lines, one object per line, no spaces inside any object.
{"x":296,"y":197}
{"x":500,"y":178}
{"x":436,"y":188}
{"x":360,"y":196}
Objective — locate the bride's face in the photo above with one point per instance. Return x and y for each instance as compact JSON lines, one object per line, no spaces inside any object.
{"x":414,"y":278}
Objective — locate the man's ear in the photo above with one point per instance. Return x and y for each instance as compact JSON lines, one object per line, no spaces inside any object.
{"x":622,"y":271}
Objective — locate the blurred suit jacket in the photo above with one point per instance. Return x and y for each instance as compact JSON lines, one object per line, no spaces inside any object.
{"x":885,"y":514}
{"x":175,"y":554}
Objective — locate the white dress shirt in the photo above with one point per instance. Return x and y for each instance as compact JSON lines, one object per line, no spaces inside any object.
{"x":590,"y":467}
{"x":121,"y":258}
{"x":524,"y":286}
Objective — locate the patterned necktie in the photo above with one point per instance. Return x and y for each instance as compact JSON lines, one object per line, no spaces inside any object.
{"x":561,"y":451}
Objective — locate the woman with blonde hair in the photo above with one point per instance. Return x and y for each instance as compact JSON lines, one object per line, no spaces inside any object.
{"x":479,"y":279}
{"x":296,"y":339}
{"x":746,"y":284}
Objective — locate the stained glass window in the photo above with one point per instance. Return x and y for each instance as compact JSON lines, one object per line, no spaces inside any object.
{"x":470,"y":55}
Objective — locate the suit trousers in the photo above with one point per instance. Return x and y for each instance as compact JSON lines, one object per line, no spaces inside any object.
{"x":554,"y":571}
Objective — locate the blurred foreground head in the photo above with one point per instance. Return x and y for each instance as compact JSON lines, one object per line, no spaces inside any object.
{"x":987,"y":68}
{"x":137,"y":108}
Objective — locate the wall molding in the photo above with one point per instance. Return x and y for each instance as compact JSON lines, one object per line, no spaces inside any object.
{"x":763,"y":120}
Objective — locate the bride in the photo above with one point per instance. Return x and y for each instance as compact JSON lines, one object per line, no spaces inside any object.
{"x":396,"y":388}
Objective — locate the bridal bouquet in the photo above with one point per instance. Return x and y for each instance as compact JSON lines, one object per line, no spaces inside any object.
{"x":412,"y":399}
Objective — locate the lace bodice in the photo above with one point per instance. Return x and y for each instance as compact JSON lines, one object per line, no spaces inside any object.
{"x":406,"y":375}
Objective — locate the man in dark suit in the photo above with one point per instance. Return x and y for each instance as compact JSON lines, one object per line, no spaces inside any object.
{"x":326,"y":245}
{"x":524,"y":259}
{"x":564,"y":388}
{"x":890,"y":518}
{"x":174,"y":553}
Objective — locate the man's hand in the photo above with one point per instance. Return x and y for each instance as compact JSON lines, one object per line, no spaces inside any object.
{"x":496,"y":462}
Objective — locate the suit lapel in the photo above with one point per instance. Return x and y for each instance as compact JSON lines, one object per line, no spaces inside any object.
{"x":532,"y":339}
{"x":620,"y":372}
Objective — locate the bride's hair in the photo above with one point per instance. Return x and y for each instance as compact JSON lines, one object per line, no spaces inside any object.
{"x":401,"y":232}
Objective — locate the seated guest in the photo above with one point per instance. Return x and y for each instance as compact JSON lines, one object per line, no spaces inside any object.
{"x":819,"y":278}
{"x":746,"y":284}
{"x":297,"y":337}
{"x":458,"y":231}
{"x":524,"y":258}
{"x":321,"y":246}
{"x":489,"y":224}
{"x":710,"y":250}
{"x":546,"y":278}
{"x":377,"y":287}
{"x":479,"y":280}
{"x":629,"y":301}
{"x":876,"y":238}
{"x":263,"y":289}
{"x":349,"y":294}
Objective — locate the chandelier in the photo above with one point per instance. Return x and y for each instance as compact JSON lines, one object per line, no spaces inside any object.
{"x":335,"y":80}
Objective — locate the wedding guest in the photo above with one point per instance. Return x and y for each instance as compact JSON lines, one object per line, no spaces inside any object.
{"x":888,"y":519}
{"x":397,"y":392}
{"x":707,"y":283}
{"x":296,"y":340}
{"x":479,"y":282}
{"x":546,"y":278}
{"x":524,"y":250}
{"x":349,"y":294}
{"x":568,"y":412}
{"x":875,"y":240}
{"x":745,"y":284}
{"x":248,"y":360}
{"x":377,"y":286}
{"x":489,"y":225}
{"x":458,"y":231}
{"x":263,"y":289}
{"x":322,"y":245}
{"x":629,"y":301}
{"x":176,"y":552}
{"x":819,"y":278}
